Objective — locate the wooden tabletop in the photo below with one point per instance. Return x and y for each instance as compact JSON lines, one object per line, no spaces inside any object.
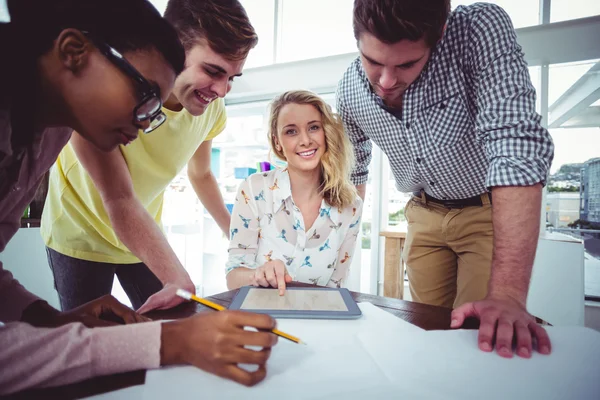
{"x":424,"y":316}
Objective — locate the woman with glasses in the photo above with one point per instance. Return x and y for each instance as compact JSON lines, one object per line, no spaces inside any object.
{"x":92,"y":66}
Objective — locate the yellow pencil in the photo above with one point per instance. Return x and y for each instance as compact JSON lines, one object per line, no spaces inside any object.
{"x":188,"y":296}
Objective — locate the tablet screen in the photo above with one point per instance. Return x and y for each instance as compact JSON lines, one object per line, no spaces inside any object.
{"x":294,"y":300}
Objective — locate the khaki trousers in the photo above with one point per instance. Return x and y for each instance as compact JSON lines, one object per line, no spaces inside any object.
{"x":448,"y":252}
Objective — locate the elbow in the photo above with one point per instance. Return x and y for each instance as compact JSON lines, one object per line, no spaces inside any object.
{"x":196,"y":175}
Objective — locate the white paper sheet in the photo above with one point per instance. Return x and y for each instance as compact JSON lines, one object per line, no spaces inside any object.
{"x":380,"y":356}
{"x":451,"y":366}
{"x":334,"y":361}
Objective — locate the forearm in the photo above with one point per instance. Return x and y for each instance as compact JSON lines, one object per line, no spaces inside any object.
{"x":239,"y":277}
{"x":142,"y":236}
{"x":13,"y":293}
{"x":207,"y":189}
{"x":43,"y":357}
{"x":516,"y":222}
{"x":41,"y":314}
{"x":362,"y":190}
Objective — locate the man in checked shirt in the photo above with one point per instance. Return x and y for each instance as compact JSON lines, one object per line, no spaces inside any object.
{"x":447,"y":96}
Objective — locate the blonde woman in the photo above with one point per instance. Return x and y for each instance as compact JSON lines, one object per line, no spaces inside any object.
{"x":300,"y":223}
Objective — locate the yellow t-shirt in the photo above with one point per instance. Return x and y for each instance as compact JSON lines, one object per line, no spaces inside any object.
{"x":74,"y":221}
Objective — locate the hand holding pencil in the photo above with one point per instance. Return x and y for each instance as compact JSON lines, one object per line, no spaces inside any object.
{"x":217,"y":342}
{"x":189,"y":296}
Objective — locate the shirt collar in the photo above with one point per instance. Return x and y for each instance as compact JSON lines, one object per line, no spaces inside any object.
{"x":283,"y":192}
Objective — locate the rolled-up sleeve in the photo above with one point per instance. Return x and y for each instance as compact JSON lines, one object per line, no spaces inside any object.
{"x":518,"y":148}
{"x":360,"y":142}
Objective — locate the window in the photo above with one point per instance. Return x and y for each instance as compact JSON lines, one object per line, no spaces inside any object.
{"x":522,"y":12}
{"x":576,"y":139}
{"x":262,"y":16}
{"x":160,"y":5}
{"x":573,"y":199}
{"x":314,"y":28}
{"x":563,"y":10}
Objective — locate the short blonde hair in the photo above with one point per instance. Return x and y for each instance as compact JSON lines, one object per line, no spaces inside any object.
{"x":337,"y":161}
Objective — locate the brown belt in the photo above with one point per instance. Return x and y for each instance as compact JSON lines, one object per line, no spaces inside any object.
{"x":475,"y":201}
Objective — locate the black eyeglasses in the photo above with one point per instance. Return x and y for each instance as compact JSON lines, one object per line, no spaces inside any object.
{"x":150,"y":104}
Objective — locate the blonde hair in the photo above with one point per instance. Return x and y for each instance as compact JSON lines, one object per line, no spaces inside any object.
{"x":337,"y":161}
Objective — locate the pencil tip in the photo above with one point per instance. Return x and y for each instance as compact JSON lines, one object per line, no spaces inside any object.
{"x":301,"y":342}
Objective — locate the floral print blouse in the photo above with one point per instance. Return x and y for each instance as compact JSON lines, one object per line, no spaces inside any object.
{"x":266,"y":225}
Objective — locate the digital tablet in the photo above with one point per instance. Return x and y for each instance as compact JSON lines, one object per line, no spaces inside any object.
{"x":297,"y":302}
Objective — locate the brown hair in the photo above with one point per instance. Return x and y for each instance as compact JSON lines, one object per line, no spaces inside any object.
{"x":224,"y":24}
{"x":338,"y":159}
{"x":391,"y":21}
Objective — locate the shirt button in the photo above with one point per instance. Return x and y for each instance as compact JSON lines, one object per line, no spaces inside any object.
{"x":408,"y":125}
{"x":419,"y":160}
{"x":442,"y":106}
{"x":432,"y":183}
{"x":16,"y":188}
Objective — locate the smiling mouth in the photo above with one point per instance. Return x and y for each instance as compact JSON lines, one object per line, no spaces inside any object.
{"x":308,"y":153}
{"x":203,"y":98}
{"x":127,"y":138}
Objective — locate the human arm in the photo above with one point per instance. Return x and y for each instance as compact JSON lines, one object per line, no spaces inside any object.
{"x":43,"y":357}
{"x":242,"y":268}
{"x":520,"y":152}
{"x":206,"y":187}
{"x":213,"y":341}
{"x":361,"y":145}
{"x":515,"y":216}
{"x":361,"y":190}
{"x":132,"y":223}
{"x":103,"y":311}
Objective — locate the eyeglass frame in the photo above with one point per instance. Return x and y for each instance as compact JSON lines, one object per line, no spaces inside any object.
{"x":146,"y":90}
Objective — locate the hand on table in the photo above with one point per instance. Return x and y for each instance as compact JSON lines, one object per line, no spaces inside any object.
{"x":214,"y":342}
{"x":104,"y":311}
{"x":504,"y":318}
{"x":166,"y":298}
{"x":271,"y":274}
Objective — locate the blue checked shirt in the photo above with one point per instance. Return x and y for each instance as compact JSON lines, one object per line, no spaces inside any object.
{"x":468,"y":123}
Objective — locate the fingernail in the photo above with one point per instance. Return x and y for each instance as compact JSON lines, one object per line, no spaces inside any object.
{"x":545,"y":350}
{"x":505,"y":351}
{"x":524,"y":351}
{"x":454,"y":323}
{"x":485,"y":346}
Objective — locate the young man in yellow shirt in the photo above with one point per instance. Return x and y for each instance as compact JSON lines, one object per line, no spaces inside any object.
{"x":103,"y":210}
